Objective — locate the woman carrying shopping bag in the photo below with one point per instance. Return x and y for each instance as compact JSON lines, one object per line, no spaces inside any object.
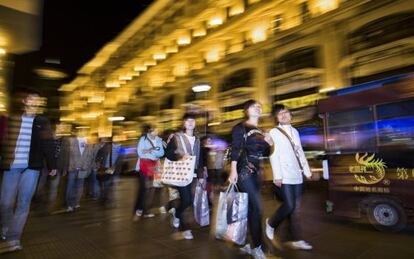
{"x":182,"y":145}
{"x":249,"y":145}
{"x":149,"y":150}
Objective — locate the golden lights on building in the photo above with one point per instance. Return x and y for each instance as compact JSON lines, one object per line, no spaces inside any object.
{"x":291,"y":51}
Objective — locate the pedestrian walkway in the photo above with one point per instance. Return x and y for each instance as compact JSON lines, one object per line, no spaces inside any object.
{"x":96,"y":232}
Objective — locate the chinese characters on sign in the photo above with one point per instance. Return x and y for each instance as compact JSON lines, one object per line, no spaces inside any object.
{"x":402,"y":173}
{"x":371,"y":189}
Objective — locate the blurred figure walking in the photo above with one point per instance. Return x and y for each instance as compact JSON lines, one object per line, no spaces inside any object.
{"x":28,"y":142}
{"x":176,"y":151}
{"x":150,"y":149}
{"x":81,"y":157}
{"x":107,"y":161}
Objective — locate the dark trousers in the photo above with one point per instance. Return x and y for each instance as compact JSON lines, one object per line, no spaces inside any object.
{"x":106,"y":183}
{"x":291,"y":195}
{"x":156,"y":196}
{"x":185,"y":203}
{"x":251,"y":185}
{"x":141,"y":203}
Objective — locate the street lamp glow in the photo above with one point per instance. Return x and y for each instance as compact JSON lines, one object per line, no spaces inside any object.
{"x":116,"y":118}
{"x":201,"y":88}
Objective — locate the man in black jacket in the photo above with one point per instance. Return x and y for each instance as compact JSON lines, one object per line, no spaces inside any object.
{"x":28,"y":142}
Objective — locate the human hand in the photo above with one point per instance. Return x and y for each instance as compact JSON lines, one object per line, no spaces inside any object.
{"x":233,"y":176}
{"x":53,"y":172}
{"x":268,"y":138}
{"x":277,"y":182}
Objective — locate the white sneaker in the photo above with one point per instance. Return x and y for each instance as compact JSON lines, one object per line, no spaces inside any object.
{"x":10,"y":246}
{"x":172,"y":211}
{"x":163,"y":210}
{"x":257,"y":253}
{"x":77,"y":207}
{"x":246,"y":249}
{"x":175,"y":222}
{"x":70,"y":209}
{"x":138,"y":213}
{"x":149,"y":215}
{"x":270,"y":232}
{"x":301,"y":245}
{"x":187,"y":235}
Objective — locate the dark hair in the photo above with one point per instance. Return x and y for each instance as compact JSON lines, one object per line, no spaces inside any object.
{"x":189,"y":115}
{"x":147,"y":128}
{"x":277,"y":108}
{"x":247,"y":105}
{"x":24,"y":91}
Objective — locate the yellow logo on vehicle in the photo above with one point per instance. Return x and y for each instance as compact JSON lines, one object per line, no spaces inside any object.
{"x":370,"y":170}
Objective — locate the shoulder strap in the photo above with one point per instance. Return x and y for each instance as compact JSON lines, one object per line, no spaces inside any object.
{"x":150,"y":141}
{"x":183,"y":143}
{"x":292,"y":144}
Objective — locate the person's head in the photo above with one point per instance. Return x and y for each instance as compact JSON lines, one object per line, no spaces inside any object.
{"x":189,"y":121}
{"x":105,"y":139}
{"x":252,"y":109}
{"x":205,"y":140}
{"x":82,"y":131}
{"x":281,"y":114}
{"x":28,"y":99}
{"x":151,"y":130}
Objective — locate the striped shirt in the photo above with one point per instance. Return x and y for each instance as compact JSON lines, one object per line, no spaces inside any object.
{"x":21,"y":153}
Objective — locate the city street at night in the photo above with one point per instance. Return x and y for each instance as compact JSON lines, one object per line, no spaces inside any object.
{"x":207,"y":129}
{"x":96,"y":232}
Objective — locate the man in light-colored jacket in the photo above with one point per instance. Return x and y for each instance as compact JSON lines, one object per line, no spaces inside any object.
{"x":289,"y":164}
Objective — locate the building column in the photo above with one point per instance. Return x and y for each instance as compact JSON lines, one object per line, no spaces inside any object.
{"x":261,"y":88}
{"x":333,"y":43}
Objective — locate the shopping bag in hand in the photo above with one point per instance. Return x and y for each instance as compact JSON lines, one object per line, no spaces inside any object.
{"x":231,"y":221}
{"x":201,"y":208}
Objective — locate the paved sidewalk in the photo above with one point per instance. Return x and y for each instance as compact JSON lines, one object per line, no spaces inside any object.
{"x":96,"y":232}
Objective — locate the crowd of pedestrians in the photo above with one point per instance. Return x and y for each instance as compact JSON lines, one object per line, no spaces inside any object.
{"x":35,"y":163}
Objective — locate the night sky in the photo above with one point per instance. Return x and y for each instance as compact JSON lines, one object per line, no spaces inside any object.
{"x":74,"y":30}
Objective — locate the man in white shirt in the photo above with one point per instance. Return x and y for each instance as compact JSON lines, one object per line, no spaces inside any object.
{"x":289,"y":164}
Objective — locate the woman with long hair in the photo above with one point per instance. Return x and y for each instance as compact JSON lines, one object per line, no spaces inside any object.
{"x":150,"y":150}
{"x":249,"y":145}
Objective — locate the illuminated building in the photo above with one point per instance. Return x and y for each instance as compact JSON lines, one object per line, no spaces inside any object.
{"x":19,"y":33}
{"x":291,"y":52}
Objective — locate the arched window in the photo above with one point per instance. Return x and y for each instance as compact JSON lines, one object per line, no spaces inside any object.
{"x":240,"y":78}
{"x":382,"y":31}
{"x":294,"y":60}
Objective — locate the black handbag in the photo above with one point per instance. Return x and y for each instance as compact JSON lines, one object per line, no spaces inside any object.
{"x":245,"y":168}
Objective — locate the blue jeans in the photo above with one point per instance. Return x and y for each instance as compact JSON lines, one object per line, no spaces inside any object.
{"x":74,"y":189}
{"x":16,"y":186}
{"x":292,"y":196}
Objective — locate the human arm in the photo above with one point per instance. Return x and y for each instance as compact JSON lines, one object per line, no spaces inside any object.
{"x":275,"y":161}
{"x":236,"y":149}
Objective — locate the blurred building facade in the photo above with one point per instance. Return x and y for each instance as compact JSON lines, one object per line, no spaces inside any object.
{"x":291,"y":52}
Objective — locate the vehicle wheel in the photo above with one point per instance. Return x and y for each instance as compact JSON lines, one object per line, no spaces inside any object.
{"x":386,"y":215}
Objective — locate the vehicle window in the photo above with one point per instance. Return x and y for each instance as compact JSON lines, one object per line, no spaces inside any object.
{"x":392,"y":110}
{"x":351,"y":131}
{"x":396,"y":124}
